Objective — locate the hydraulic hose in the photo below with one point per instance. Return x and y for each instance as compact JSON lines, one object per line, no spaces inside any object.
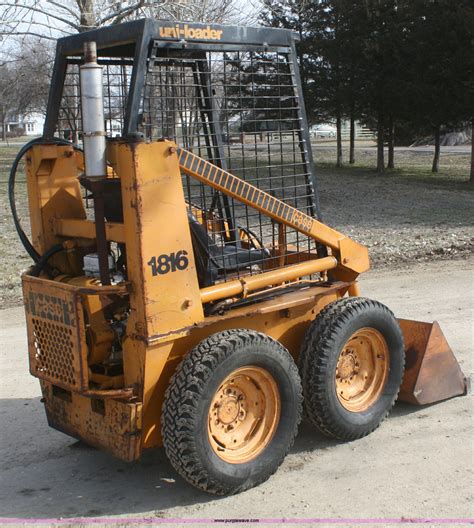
{"x":11,"y":192}
{"x":42,"y":262}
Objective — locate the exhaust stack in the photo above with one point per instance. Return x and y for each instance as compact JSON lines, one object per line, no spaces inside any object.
{"x":92,"y":102}
{"x":93,"y":126}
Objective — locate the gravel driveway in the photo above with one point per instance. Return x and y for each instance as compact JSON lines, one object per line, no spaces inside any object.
{"x":418,"y":464}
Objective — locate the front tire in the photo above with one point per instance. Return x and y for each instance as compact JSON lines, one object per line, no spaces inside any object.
{"x":231,"y":411}
{"x":351,"y":364}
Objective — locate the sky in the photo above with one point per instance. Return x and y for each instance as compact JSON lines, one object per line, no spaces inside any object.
{"x":37,"y":21}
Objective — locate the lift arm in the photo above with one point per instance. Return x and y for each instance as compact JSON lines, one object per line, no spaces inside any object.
{"x":352,"y":257}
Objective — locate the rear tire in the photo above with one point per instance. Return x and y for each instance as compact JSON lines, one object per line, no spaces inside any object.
{"x":231,"y":411}
{"x":351,"y":364}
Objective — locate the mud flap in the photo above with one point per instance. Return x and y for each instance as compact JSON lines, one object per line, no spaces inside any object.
{"x":432,"y":372}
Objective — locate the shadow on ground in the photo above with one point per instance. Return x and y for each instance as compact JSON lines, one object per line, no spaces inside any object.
{"x":48,"y":474}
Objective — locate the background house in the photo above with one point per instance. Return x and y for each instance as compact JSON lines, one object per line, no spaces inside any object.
{"x":22,"y":125}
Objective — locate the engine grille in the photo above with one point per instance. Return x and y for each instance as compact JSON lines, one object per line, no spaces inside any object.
{"x":54,"y":356}
{"x":56,"y":335}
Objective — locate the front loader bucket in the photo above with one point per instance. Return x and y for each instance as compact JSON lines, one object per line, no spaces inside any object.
{"x":432,"y":372}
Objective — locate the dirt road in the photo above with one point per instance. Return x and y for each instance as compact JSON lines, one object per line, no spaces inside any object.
{"x":418,"y":464}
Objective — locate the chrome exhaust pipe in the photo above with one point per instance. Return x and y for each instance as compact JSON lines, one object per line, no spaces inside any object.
{"x":93,"y":123}
{"x":95,"y":162}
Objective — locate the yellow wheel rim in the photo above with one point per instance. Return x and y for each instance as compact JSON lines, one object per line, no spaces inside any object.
{"x":244,"y":414}
{"x":362,"y":370}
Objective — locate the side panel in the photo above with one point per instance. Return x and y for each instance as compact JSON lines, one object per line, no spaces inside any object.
{"x":283,"y":322}
{"x":160,"y":260}
{"x":53,"y":193}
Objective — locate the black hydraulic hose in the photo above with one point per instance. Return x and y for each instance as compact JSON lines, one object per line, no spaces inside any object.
{"x":43,"y":260}
{"x":11,"y":196}
{"x":11,"y":192}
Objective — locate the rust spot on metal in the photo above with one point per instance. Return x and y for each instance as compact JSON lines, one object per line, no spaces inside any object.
{"x":116,"y":428}
{"x":432,"y":372}
{"x":90,"y":52}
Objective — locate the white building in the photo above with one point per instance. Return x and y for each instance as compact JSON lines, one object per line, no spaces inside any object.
{"x":25,"y":125}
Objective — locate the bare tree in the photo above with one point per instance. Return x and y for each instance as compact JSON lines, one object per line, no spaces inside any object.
{"x":24,"y":81}
{"x":50,"y":19}
{"x":23,"y":22}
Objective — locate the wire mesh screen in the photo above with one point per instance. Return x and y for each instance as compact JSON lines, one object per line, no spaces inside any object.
{"x":116,"y":82}
{"x":240,"y":111}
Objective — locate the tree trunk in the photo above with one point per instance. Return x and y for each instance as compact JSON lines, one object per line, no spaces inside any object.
{"x":352,"y":140}
{"x":338,"y":141}
{"x":4,"y":134}
{"x":380,"y":138}
{"x":391,"y":152}
{"x":471,"y":179}
{"x":435,"y":167}
{"x":301,"y":64}
{"x":87,"y":18}
{"x":337,"y":67}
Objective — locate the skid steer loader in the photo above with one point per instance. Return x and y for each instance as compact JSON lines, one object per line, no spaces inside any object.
{"x":185,"y":291}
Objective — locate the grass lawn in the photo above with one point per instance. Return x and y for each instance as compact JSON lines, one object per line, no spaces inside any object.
{"x":405,"y":214}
